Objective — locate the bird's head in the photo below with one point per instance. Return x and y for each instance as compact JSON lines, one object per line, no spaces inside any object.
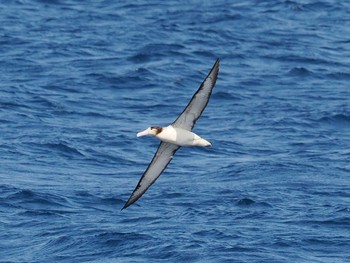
{"x":153,"y":130}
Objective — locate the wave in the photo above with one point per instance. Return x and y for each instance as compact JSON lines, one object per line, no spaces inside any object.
{"x":61,"y":148}
{"x":34,"y":202}
{"x":336,"y":120}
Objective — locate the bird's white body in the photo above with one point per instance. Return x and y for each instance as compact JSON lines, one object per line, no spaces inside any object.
{"x":181,"y":137}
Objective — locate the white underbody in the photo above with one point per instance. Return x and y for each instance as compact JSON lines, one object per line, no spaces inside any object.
{"x":181,"y":137}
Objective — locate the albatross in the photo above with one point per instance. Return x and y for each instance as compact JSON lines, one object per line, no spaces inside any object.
{"x":178,"y":134}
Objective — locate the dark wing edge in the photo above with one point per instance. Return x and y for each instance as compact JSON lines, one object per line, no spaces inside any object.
{"x":147,"y":178}
{"x":204,"y":89}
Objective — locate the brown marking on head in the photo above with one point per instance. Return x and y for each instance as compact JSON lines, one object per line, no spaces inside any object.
{"x":156,"y":129}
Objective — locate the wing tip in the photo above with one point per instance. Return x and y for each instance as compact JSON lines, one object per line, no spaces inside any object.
{"x":131,"y":200}
{"x":217,"y":64}
{"x":127,"y":204}
{"x":124,"y":207}
{"x":213,"y":73}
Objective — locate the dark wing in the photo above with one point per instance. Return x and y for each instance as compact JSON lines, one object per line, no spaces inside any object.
{"x":199,"y":101}
{"x":159,"y":162}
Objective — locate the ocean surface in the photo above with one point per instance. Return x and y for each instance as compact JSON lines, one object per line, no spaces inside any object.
{"x":79,"y":79}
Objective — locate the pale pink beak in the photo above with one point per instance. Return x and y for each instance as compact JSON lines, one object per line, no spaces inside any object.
{"x":143,"y":133}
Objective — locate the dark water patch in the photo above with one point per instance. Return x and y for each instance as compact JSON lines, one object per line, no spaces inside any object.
{"x":7,"y":190}
{"x":151,"y":51}
{"x":133,"y":78}
{"x":227,"y":16}
{"x":117,"y":159}
{"x":225,"y":96}
{"x":321,"y":5}
{"x":171,"y":195}
{"x":345,"y":210}
{"x":44,"y":213}
{"x":339,"y":76}
{"x":51,"y":2}
{"x":113,"y":204}
{"x":299,"y":72}
{"x":118,"y":238}
{"x":60,"y":148}
{"x":285,"y":6}
{"x":125,"y":81}
{"x":328,"y":192}
{"x":305,"y":60}
{"x":35,"y":203}
{"x":60,"y":91}
{"x":211,"y":233}
{"x":336,"y":222}
{"x":140,"y":58}
{"x":320,"y":241}
{"x":15,"y":104}
{"x":84,"y":194}
{"x":96,"y":200}
{"x":336,"y":120}
{"x":12,"y":40}
{"x":246,"y":202}
{"x":41,"y":102}
{"x":91,"y":114}
{"x":28,"y":196}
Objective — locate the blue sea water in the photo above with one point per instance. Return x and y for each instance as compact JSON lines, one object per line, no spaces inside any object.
{"x":79,"y":79}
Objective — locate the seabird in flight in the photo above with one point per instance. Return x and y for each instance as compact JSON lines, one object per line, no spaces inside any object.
{"x":178,"y":134}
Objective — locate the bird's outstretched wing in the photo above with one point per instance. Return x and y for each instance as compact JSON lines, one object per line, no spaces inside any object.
{"x":199,"y":101}
{"x":159,"y":162}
